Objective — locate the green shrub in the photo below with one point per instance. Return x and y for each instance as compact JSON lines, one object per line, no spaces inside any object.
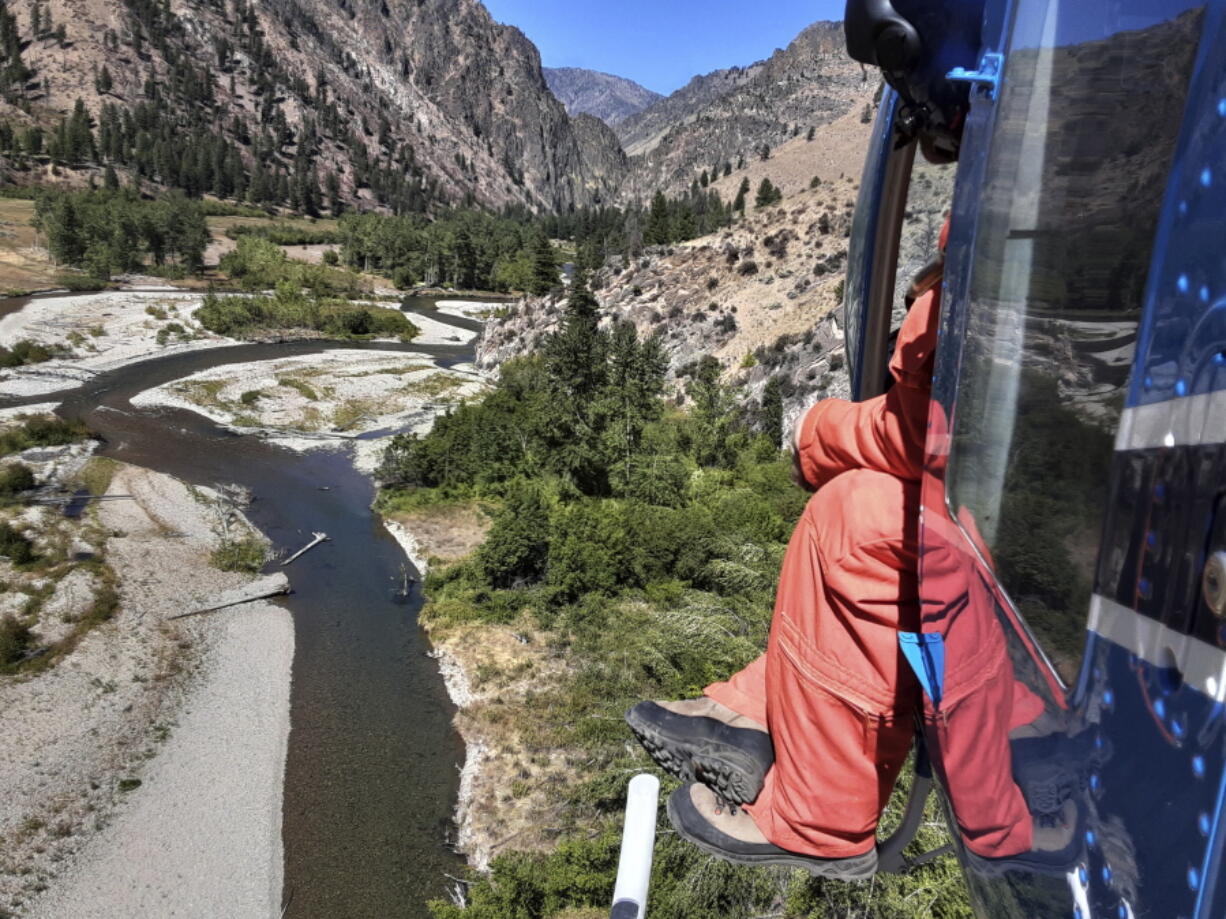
{"x":15,"y":478}
{"x":81,"y":283}
{"x":259,"y":264}
{"x":26,"y":352}
{"x":517,"y":545}
{"x":290,"y":309}
{"x":15,"y":545}
{"x":41,"y":431}
{"x":15,"y":641}
{"x":250,"y":397}
{"x":285,"y":234}
{"x":247,"y":554}
{"x":213,"y":208}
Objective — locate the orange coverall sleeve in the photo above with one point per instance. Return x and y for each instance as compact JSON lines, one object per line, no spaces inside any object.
{"x":885,"y":434}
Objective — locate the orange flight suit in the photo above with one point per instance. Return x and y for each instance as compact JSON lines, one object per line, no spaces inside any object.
{"x":833,"y":687}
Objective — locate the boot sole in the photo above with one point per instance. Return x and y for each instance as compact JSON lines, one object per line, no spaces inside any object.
{"x":854,"y":868}
{"x":731,"y":772}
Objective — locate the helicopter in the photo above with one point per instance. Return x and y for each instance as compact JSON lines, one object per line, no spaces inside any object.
{"x":1076,"y":454}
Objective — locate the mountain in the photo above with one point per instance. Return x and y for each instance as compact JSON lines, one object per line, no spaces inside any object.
{"x":411,"y":104}
{"x":589,"y":92}
{"x":727,"y":117}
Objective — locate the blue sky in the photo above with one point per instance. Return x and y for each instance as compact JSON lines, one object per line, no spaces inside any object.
{"x":660,"y":43}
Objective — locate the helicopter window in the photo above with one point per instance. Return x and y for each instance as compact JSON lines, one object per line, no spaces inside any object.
{"x":894,"y":236}
{"x":928,"y":199}
{"x":1088,"y":115}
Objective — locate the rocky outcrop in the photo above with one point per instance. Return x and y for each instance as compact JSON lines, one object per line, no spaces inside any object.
{"x":763,"y":297}
{"x":602,"y":95}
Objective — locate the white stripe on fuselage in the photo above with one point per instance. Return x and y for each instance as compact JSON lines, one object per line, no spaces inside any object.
{"x":1202,"y":666}
{"x":1190,"y":421}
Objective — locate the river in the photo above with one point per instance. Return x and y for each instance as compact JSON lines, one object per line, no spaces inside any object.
{"x":372,"y":766}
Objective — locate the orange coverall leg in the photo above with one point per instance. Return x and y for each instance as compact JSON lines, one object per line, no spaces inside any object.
{"x":833,"y":687}
{"x":840,"y":701}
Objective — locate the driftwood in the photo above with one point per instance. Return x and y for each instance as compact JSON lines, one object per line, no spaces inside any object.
{"x":319,"y":537}
{"x":271,"y":586}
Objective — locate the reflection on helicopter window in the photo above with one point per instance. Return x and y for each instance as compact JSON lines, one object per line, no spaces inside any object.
{"x":928,"y":197}
{"x":1086,"y":126}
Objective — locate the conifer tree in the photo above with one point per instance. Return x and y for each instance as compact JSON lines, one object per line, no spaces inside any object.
{"x":767,"y":194}
{"x":544,"y":267}
{"x":632,"y":397}
{"x":771,"y":418}
{"x":575,"y":361}
{"x":741,"y":194}
{"x":659,"y":222}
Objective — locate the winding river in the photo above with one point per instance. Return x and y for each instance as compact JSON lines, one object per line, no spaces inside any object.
{"x":372,"y":767}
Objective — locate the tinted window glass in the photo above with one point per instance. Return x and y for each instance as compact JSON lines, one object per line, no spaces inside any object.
{"x":1086,"y":125}
{"x":928,"y":199}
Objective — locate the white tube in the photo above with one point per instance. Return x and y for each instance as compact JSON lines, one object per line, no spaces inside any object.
{"x":638,"y":845}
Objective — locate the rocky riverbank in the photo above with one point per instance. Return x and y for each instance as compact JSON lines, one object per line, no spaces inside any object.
{"x":120,"y":757}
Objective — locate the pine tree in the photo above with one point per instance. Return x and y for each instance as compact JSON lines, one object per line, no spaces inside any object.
{"x":812,"y":134}
{"x":79,"y":135}
{"x":544,"y":266}
{"x":103,"y":82}
{"x":575,"y":358}
{"x":768,"y":194}
{"x":713,"y":415}
{"x":771,"y":418}
{"x":659,"y":222}
{"x":741,"y":194}
{"x":632,"y":397}
{"x":336,"y":201}
{"x":465,"y":259}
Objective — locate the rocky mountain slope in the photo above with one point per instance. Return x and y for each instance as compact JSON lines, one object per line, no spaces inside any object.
{"x":762,"y":296}
{"x":589,"y":92}
{"x":727,"y":117}
{"x":432,"y":90}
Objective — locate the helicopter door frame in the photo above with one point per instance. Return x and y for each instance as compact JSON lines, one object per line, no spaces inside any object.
{"x":873,"y":253}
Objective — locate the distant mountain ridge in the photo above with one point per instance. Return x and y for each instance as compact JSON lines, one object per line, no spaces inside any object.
{"x":729,"y":115}
{"x":389,"y":103}
{"x":330,"y":105}
{"x":610,"y":98}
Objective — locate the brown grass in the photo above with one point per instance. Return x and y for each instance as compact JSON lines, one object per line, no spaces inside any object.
{"x":446,"y":533}
{"x":22,"y":267}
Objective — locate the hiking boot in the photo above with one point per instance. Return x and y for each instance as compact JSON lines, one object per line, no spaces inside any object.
{"x":1055,"y":849}
{"x":700,"y":817}
{"x":700,"y":740}
{"x":1054,"y":768}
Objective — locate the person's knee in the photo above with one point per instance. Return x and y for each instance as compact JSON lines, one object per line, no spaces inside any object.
{"x":863,"y":505}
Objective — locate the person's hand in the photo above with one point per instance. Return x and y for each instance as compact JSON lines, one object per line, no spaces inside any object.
{"x":798,"y":475}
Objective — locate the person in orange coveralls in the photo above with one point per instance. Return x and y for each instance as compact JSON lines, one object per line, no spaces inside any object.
{"x":840,"y":700}
{"x":834,"y":688}
{"x":833,"y":685}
